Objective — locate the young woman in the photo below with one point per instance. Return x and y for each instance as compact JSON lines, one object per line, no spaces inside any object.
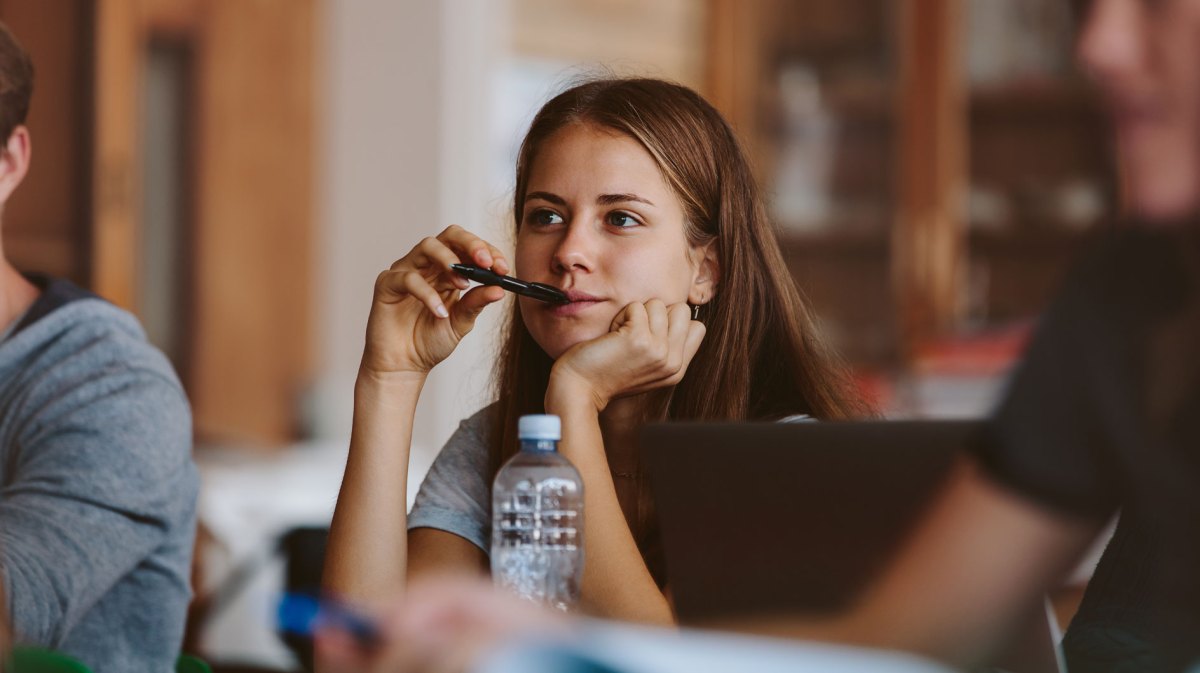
{"x":634,"y":198}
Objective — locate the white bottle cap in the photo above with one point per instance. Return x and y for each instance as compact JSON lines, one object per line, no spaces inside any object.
{"x":539,"y":426}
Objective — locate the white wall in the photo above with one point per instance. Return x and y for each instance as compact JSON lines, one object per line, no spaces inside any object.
{"x":404,"y":155}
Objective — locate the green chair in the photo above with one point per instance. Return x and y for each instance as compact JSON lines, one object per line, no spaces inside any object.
{"x":37,"y":660}
{"x":189,"y":664}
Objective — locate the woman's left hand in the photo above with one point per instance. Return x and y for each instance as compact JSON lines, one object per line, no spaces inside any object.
{"x":648,"y":346}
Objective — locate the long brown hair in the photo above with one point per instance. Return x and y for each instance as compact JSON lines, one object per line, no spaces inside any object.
{"x":761,"y":358}
{"x":16,"y":83}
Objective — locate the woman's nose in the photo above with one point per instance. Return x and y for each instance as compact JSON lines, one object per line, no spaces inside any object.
{"x":575,"y":250}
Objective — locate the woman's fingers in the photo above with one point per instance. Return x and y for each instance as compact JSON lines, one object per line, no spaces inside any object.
{"x":468,"y":307}
{"x":431,"y":252}
{"x":679,"y":318}
{"x":425,"y":273}
{"x":666,"y":338}
{"x":649,"y":345}
{"x":658,"y":319}
{"x":473,"y":249}
{"x":434,"y":256}
{"x":674,"y":345}
{"x":695,"y":336}
{"x":631,"y":319}
{"x":393,"y":286}
{"x":401,"y":336}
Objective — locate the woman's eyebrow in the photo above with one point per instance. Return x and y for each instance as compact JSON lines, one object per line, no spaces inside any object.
{"x":546,"y":196}
{"x":609,"y":199}
{"x":603,"y":199}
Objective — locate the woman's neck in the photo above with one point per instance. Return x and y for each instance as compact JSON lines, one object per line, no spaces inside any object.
{"x":619,"y":423}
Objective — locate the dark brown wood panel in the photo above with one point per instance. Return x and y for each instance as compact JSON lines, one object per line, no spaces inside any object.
{"x":46,"y":221}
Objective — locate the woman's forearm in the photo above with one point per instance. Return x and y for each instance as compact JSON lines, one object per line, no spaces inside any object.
{"x":616,"y":582}
{"x":367,"y":551}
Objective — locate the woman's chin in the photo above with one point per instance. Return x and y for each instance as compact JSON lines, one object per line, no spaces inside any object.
{"x":562,"y":343}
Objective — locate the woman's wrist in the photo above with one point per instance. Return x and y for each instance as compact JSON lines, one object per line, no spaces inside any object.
{"x":567,"y":391}
{"x":387,"y":388}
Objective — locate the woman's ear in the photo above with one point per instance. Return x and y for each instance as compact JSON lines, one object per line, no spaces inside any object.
{"x":708,"y":274}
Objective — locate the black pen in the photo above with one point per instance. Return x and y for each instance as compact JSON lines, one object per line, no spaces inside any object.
{"x":538,"y":291}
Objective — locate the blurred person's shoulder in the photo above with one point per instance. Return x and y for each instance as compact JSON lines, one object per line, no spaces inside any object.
{"x":70,"y":329}
{"x":73,"y":350}
{"x":1134,"y":271}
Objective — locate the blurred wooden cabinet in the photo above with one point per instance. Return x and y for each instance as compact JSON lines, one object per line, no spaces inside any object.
{"x":931,"y":164}
{"x":173,"y":173}
{"x":46,"y":222}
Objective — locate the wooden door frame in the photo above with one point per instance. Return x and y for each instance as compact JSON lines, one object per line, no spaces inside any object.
{"x":929,"y":246}
{"x":250,"y":316}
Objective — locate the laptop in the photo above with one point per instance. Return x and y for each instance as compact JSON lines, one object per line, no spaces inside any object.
{"x":798,"y":518}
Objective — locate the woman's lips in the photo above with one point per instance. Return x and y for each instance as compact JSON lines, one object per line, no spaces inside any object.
{"x":580,"y":301}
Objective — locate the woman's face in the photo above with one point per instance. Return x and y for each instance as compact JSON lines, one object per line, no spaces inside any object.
{"x":600,"y":223}
{"x":1145,"y":56}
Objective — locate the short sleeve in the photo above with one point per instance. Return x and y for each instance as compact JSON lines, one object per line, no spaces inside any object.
{"x":456,"y":494}
{"x":1072,"y":424}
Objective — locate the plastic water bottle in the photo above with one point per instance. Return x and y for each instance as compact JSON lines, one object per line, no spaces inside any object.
{"x":537,"y":519}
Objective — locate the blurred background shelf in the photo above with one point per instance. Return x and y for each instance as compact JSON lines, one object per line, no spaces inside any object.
{"x":933,"y":165}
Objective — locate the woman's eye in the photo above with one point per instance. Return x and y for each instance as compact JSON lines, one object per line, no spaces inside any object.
{"x":544,"y":218}
{"x":622,"y":220}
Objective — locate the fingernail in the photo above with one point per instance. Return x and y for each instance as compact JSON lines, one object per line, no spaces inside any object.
{"x":441,"y":311}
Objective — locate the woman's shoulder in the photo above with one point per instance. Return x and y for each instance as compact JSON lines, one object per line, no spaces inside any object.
{"x":477,"y":426}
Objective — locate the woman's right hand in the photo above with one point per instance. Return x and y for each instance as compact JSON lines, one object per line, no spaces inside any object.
{"x":420,"y":311}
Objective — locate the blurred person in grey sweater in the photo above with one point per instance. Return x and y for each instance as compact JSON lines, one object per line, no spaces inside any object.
{"x":97,"y":485}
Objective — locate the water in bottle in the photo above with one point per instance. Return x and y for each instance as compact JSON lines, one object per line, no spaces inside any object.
{"x":537,"y":519}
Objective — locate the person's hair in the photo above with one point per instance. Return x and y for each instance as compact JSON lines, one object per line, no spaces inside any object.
{"x":16,"y":83}
{"x":761,"y":358}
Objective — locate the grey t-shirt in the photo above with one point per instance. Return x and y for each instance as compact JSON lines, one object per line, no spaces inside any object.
{"x":97,"y":488}
{"x":456,"y":495}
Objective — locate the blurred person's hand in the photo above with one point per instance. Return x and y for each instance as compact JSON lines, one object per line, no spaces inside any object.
{"x":443,"y":625}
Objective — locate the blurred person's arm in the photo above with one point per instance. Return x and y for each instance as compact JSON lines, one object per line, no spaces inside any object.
{"x":449,"y":626}
{"x":1047,"y":472}
{"x":100,"y":477}
{"x":977,"y":566}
